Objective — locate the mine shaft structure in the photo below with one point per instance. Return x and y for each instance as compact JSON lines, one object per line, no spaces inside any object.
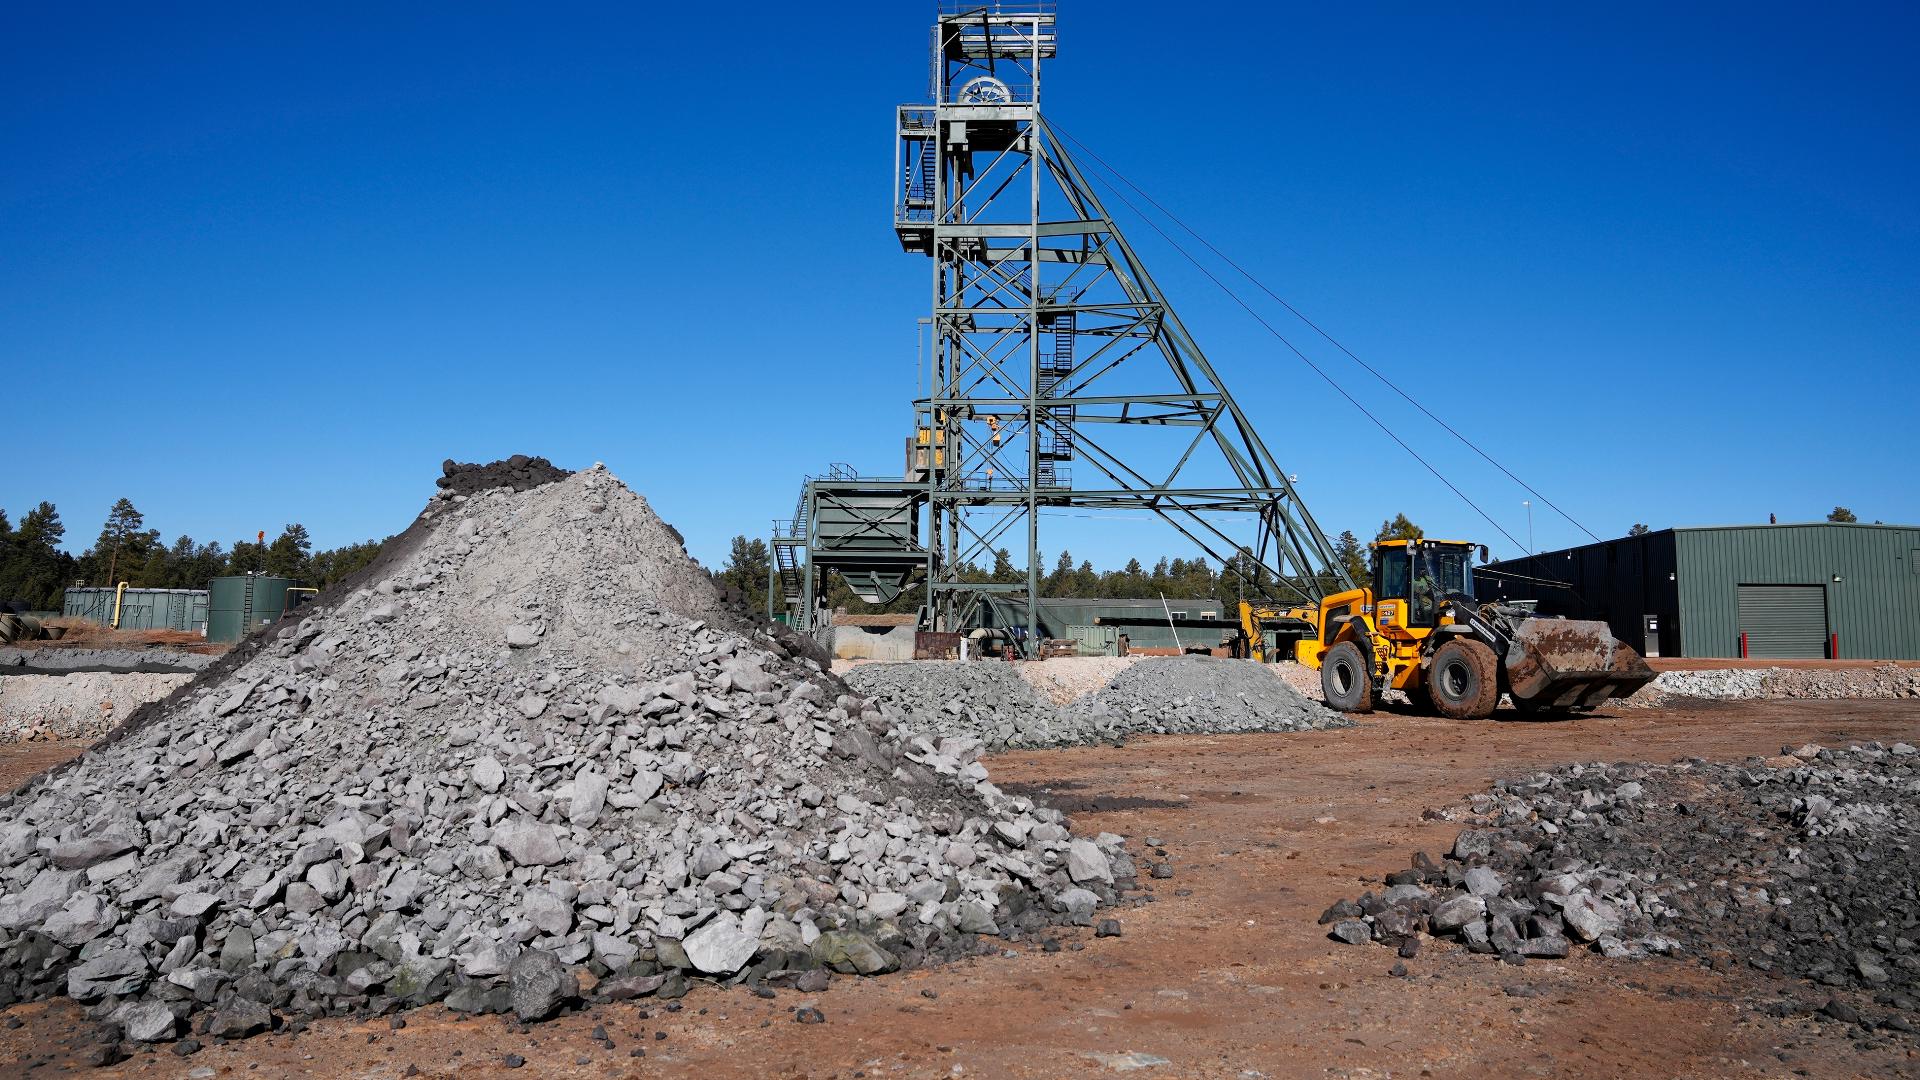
{"x":1058,"y":377}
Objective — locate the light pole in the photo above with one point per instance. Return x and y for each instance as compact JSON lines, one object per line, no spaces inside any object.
{"x":1528,"y":503}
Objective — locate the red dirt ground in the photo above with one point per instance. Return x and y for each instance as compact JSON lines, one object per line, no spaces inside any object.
{"x":1226,"y":975}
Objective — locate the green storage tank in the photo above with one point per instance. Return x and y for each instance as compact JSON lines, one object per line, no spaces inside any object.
{"x":241,"y":604}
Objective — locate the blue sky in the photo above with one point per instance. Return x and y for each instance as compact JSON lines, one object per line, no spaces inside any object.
{"x":265,"y":266}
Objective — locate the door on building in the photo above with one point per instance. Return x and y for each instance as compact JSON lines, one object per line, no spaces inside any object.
{"x":1651,"y":624}
{"x":1784,"y":622}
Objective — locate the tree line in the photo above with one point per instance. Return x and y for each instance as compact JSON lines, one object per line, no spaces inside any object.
{"x":34,"y":568}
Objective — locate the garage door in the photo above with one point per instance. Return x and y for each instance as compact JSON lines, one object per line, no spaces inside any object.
{"x":1784,"y":622}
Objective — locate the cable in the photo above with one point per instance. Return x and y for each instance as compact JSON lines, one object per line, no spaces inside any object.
{"x":1469,"y":443}
{"x":1305,"y":359}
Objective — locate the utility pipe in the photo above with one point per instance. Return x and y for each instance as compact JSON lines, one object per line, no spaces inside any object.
{"x":118,"y":594}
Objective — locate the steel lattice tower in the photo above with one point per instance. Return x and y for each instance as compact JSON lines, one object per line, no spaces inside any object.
{"x":1053,"y":347}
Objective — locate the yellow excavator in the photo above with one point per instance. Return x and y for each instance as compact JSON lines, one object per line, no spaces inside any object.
{"x":1417,"y":628}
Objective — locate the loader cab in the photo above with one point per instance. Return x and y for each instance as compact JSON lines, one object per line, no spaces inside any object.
{"x":1413,"y":578}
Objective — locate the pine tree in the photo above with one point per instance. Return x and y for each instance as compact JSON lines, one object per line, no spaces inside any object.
{"x":1400,"y":528}
{"x":1842,"y":514}
{"x":1352,"y":557}
{"x":748,"y":563}
{"x":120,"y":544}
{"x":288,"y":554}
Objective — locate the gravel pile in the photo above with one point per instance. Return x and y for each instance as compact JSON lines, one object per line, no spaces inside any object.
{"x":980,"y":700}
{"x":1735,"y":684}
{"x":1064,"y":679}
{"x":1803,"y":865}
{"x":993,"y":703}
{"x":526,"y":741}
{"x":81,"y":705}
{"x":1197,"y":695}
{"x":59,"y":661}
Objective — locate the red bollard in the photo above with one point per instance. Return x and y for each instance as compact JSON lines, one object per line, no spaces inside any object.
{"x":1833,"y":646}
{"x":1743,"y":644}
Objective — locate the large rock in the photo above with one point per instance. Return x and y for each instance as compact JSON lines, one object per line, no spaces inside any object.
{"x":149,"y":1022}
{"x":88,"y":850}
{"x":589,"y":797}
{"x":1085,"y":863}
{"x":544,"y":909}
{"x":529,"y":843}
{"x":1589,"y":917}
{"x":239,"y":1017}
{"x":720,"y":946}
{"x":488,"y":773}
{"x":540,"y":984}
{"x":116,"y":971}
{"x":1456,"y":913}
{"x":851,"y":952}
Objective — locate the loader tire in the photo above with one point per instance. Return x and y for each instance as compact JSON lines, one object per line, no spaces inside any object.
{"x":1346,"y":679}
{"x":1464,"y":680}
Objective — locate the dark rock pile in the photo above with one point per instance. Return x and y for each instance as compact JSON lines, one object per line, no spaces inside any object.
{"x":1806,"y":865}
{"x":527,"y":752}
{"x":517,"y":473}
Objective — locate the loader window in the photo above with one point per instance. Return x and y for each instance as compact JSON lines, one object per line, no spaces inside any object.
{"x":1441,"y":571}
{"x":1390,"y":574}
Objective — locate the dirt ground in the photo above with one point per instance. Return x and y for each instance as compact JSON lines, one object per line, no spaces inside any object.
{"x":1224,"y":975}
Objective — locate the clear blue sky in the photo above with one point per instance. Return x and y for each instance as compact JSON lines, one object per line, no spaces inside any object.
{"x":268,"y":266}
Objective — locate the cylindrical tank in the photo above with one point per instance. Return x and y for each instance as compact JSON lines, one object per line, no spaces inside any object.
{"x":238,"y":605}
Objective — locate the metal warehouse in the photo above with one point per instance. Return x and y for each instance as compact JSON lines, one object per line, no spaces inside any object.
{"x":1809,"y":591}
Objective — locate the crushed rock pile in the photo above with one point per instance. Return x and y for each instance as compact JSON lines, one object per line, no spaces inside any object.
{"x":979,"y":700}
{"x":524,"y":742}
{"x":52,"y":661}
{"x":1198,"y":695}
{"x":1739,"y":684}
{"x":1802,"y":865}
{"x":1156,"y":695}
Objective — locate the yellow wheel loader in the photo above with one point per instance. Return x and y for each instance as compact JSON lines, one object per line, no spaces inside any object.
{"x":1416,"y":628}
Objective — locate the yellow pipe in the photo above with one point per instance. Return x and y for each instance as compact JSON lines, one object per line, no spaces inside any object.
{"x":118,"y":595}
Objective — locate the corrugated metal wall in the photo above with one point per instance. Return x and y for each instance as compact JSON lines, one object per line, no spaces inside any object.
{"x":1874,"y":607}
{"x":1619,"y":582}
{"x":1057,"y":615}
{"x":142,"y":609}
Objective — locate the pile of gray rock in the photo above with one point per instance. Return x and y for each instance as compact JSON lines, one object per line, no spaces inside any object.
{"x":983,"y":700}
{"x":1802,"y":865}
{"x":988,"y":701}
{"x":45,"y":660}
{"x":528,"y":742}
{"x":1745,"y":684}
{"x":1172,"y":695}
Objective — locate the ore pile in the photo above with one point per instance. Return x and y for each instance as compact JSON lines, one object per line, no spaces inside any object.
{"x":1184,"y":695}
{"x":518,"y":473}
{"x":1800,"y":866}
{"x":525,"y":742}
{"x":972,"y":700}
{"x":1159,"y":695}
{"x":1741,"y":684}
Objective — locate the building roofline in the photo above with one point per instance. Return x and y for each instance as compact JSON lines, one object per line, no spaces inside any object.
{"x":1713,"y":528}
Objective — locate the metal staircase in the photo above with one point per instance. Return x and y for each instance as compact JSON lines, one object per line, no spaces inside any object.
{"x":1057,"y":444}
{"x":789,"y":540}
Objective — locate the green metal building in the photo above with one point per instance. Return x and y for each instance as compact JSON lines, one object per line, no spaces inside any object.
{"x":1144,"y":622}
{"x":243,"y":603}
{"x":1805,"y":591}
{"x":140,"y":609}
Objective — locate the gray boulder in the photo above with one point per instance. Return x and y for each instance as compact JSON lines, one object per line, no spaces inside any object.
{"x":539,"y":985}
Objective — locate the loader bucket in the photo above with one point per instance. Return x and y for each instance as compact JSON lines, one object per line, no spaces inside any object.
{"x":1566,"y":664}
